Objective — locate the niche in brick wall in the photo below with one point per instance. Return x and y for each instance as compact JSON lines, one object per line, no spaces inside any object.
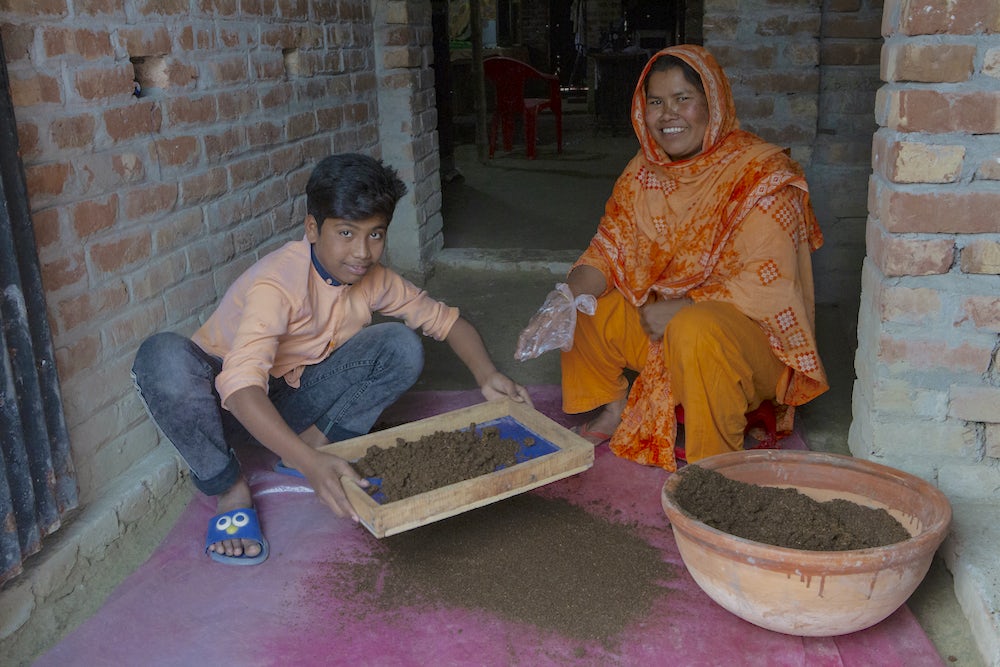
{"x":291,"y":60}
{"x":150,"y":74}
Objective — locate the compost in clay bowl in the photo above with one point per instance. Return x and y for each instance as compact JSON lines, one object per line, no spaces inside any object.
{"x":813,"y":593}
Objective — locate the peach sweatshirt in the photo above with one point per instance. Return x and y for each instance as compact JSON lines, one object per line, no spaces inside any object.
{"x":280,"y":316}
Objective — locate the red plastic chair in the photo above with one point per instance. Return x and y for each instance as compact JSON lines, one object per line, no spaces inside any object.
{"x":510,"y":78}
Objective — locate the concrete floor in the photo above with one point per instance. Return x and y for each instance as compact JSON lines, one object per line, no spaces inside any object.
{"x":511,"y":229}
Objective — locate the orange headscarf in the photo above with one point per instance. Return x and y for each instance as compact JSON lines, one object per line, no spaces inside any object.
{"x":668,"y":230}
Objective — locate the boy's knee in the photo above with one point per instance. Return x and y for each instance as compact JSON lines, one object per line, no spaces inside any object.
{"x":162,"y":359}
{"x":407,"y":350}
{"x":153,"y":352}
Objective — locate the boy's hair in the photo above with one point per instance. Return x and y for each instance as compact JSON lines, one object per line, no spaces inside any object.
{"x":351,"y":186}
{"x":668,"y":62}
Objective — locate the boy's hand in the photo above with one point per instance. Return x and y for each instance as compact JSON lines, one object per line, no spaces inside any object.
{"x":498,"y":385}
{"x":324,"y":472}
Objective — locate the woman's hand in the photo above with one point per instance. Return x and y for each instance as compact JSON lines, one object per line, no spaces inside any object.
{"x":654,"y":315}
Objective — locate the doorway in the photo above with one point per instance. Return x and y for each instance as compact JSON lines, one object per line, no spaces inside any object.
{"x":567,"y":54}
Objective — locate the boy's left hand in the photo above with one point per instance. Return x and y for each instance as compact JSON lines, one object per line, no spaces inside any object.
{"x":499,"y":385}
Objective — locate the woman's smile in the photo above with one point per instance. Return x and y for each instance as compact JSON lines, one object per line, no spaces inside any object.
{"x":676,"y":114}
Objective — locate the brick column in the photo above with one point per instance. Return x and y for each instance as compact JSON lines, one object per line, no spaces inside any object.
{"x":407,"y":129}
{"x":927,"y":398}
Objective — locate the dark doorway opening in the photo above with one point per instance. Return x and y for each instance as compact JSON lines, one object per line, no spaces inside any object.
{"x":567,"y":56}
{"x":586,"y":43}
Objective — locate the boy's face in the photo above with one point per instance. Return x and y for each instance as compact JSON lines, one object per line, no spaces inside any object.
{"x":347,"y":248}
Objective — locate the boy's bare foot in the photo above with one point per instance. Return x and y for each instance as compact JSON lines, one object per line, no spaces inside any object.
{"x":237,"y":497}
{"x":600,"y":428}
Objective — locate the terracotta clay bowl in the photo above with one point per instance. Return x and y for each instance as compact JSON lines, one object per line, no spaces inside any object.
{"x":813,"y":593}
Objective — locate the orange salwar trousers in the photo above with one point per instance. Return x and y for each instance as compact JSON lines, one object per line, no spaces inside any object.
{"x":720,"y":363}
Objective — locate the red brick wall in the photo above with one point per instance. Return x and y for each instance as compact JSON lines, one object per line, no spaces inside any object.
{"x":146,"y":208}
{"x":928,"y":393}
{"x":770,"y":51}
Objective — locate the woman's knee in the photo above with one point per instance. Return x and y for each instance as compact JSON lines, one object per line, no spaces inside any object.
{"x":701,"y":334}
{"x":691,"y":325}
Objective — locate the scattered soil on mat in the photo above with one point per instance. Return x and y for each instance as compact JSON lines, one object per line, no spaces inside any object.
{"x":783,"y":517}
{"x":437,"y":459}
{"x":528,"y":559}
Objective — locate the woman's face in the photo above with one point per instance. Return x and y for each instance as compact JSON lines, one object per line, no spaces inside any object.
{"x":676,"y":114}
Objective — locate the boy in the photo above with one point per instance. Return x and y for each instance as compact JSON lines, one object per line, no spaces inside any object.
{"x":288,"y":354}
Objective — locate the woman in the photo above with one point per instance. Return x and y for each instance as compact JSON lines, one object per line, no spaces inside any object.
{"x":702,"y":276}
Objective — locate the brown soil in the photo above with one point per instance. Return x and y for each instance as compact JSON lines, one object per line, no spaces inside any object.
{"x":529,"y":559}
{"x":436,"y":460}
{"x":783,"y":517}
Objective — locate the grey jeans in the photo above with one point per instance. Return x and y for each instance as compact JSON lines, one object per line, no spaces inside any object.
{"x":343,"y":395}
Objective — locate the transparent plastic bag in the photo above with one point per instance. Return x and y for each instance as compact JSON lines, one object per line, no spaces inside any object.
{"x":552,"y":326}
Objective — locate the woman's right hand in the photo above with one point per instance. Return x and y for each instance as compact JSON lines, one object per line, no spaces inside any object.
{"x":655,"y":315}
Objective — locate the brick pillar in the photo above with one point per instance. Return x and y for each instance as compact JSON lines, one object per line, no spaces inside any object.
{"x":927,"y":398}
{"x":407,"y":129}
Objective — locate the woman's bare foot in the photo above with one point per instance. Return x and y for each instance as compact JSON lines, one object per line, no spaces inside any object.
{"x":600,"y":428}
{"x":237,"y":497}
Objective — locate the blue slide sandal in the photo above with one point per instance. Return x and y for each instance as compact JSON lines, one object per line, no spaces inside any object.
{"x":285,"y":470}
{"x":238,"y":524}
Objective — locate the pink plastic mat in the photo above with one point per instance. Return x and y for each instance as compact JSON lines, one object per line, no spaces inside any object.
{"x":181,"y":608}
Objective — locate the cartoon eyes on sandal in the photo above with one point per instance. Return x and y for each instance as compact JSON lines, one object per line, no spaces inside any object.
{"x":237,"y":520}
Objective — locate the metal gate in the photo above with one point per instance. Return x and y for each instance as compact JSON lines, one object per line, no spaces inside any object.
{"x":37,"y":480}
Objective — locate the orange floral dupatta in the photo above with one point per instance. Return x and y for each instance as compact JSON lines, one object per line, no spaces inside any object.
{"x":668,"y":231}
